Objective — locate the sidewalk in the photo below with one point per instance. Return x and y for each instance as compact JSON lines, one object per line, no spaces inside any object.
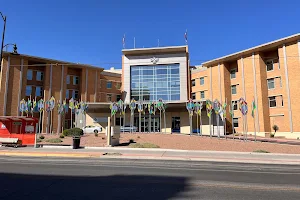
{"x":155,"y":154}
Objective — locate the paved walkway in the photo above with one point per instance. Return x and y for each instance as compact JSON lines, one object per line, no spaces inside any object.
{"x":156,"y":154}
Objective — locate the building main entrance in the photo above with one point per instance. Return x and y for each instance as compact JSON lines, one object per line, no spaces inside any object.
{"x":148,"y":124}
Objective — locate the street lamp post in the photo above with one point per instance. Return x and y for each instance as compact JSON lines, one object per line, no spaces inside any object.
{"x":3,"y":34}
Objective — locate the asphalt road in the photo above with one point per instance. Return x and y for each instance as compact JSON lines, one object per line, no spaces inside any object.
{"x":110,"y":179}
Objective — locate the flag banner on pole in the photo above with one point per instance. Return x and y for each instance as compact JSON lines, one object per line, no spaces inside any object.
{"x":186,"y":37}
{"x":253,"y":108}
{"x":190,"y":105}
{"x":209,"y":108}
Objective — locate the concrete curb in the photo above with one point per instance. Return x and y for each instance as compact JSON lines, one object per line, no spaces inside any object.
{"x":30,"y":154}
{"x":171,"y":150}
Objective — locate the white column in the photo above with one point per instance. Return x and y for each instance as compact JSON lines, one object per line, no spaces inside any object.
{"x":243,"y":77}
{"x":6,"y":86}
{"x":288,"y":88}
{"x":220,"y":85}
{"x":255,"y":93}
{"x":20,"y":86}
{"x":96,"y":84}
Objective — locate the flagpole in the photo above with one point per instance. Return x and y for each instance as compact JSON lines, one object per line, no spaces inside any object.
{"x":158,"y":42}
{"x":134,"y":42}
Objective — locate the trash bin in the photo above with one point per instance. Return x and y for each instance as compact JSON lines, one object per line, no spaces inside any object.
{"x":76,"y":142}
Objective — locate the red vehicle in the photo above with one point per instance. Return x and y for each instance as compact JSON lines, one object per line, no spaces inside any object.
{"x":18,"y":130}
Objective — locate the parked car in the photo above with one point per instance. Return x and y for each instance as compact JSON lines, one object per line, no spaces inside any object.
{"x":91,"y":129}
{"x":128,"y":129}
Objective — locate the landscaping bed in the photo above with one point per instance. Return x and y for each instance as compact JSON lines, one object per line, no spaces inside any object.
{"x":177,"y":141}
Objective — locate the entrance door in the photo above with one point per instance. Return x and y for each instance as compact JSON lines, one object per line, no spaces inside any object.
{"x":145,"y":123}
{"x":176,"y":124}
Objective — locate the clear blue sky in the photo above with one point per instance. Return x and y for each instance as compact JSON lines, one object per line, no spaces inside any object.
{"x":91,"y":31}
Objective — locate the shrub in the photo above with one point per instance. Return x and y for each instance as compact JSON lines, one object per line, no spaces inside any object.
{"x":73,"y":132}
{"x":131,"y":141}
{"x":54,"y":140}
{"x":143,"y":145}
{"x":272,"y":135}
{"x":275,"y":128}
{"x":96,"y":135}
{"x":261,"y":151}
{"x":38,"y":140}
{"x":42,"y":137}
{"x":62,"y":136}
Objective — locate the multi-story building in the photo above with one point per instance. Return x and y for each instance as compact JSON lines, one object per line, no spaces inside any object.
{"x":267,"y":74}
{"x":25,"y":76}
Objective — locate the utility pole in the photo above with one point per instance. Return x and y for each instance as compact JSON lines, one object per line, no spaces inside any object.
{"x":3,"y":34}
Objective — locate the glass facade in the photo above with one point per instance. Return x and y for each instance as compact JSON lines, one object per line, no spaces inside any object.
{"x":153,"y":82}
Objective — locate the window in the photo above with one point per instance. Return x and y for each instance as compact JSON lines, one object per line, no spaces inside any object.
{"x":233,"y":73}
{"x":193,"y":82}
{"x":202,"y":81}
{"x":39,"y":76}
{"x":272,"y":102}
{"x":28,"y":90}
{"x":108,"y":97}
{"x":118,"y":97}
{"x":108,"y":84}
{"x":75,"y":80}
{"x":271,"y":83}
{"x":38,"y":91}
{"x":68,"y":79}
{"x":235,"y":122}
{"x":193,"y":96}
{"x":281,"y":99}
{"x":235,"y":107}
{"x":202,"y":95}
{"x":67,"y":94}
{"x":152,"y":82}
{"x":270,"y":65}
{"x":233,"y":89}
{"x":75,"y":94}
{"x":118,"y":85}
{"x":29,"y":74}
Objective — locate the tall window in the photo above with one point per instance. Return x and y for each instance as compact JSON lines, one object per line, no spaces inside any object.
{"x":38,"y":91}
{"x":68,"y":79}
{"x":118,"y":85}
{"x":75,"y":94}
{"x":118,"y":97}
{"x":67,"y":94}
{"x":193,"y":96}
{"x":272,"y":102}
{"x":202,"y":94}
{"x":233,"y":73}
{"x":270,"y":65}
{"x":281,"y":99}
{"x":202,"y":81}
{"x":75,"y":80}
{"x":235,"y":107}
{"x":271,"y":83}
{"x":154,"y":82}
{"x":28,"y":90}
{"x":235,"y":122}
{"x":29,"y":74}
{"x":108,"y":84}
{"x":39,"y":76}
{"x":193,"y":82}
{"x":233,"y":89}
{"x":108,"y":97}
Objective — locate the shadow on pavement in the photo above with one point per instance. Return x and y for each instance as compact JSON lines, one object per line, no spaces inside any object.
{"x":20,"y":186}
